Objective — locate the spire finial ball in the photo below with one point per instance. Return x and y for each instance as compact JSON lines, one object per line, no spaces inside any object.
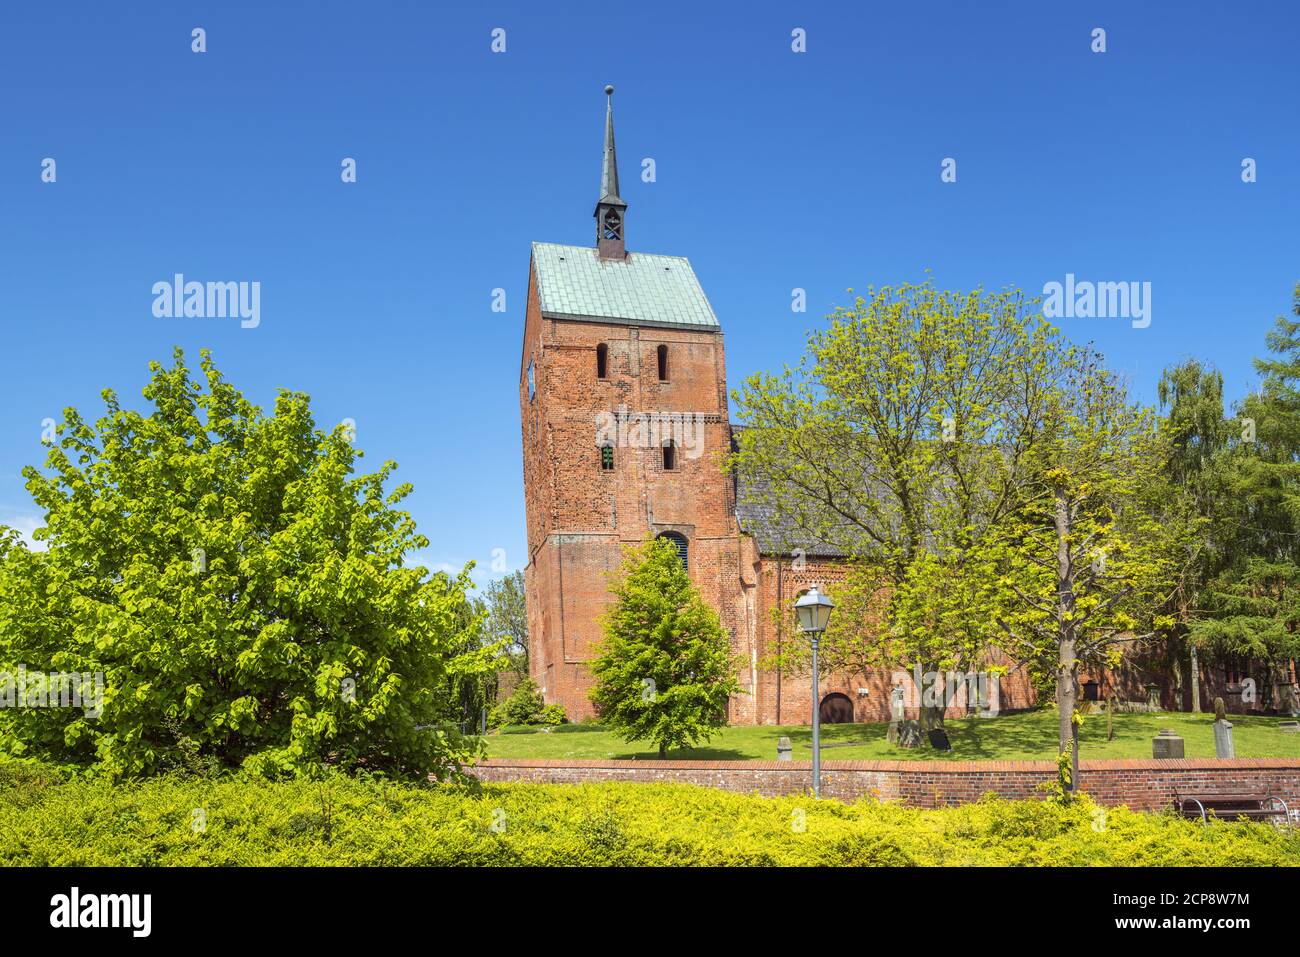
{"x":609,"y":90}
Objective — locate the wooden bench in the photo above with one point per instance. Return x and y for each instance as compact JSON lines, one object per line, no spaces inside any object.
{"x":1252,"y":807}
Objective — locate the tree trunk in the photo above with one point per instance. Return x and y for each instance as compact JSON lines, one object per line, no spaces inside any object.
{"x":1067,"y":667}
{"x":663,"y":751}
{"x":1067,"y":683}
{"x":1196,"y":680}
{"x":1178,"y":677}
{"x":1280,"y":674}
{"x":931,"y":715}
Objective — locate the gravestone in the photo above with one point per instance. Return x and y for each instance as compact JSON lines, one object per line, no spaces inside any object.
{"x":897,"y":712}
{"x":939,"y":739}
{"x":1166,"y":745}
{"x":1289,"y":727}
{"x":990,"y":706}
{"x":1153,"y":697}
{"x":1223,"y":747}
{"x":784,"y":750}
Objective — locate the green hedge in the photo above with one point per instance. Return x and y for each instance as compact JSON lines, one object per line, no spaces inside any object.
{"x":345,"y":821}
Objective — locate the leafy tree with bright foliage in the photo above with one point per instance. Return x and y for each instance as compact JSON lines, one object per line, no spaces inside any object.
{"x":664,"y":671}
{"x":901,"y":438}
{"x":1096,"y":544}
{"x":507,"y":619}
{"x":242,"y":590}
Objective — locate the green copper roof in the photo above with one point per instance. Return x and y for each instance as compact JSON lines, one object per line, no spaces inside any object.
{"x":644,"y":289}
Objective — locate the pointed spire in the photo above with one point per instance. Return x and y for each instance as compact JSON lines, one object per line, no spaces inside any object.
{"x":609,"y":169}
{"x":610,"y":208}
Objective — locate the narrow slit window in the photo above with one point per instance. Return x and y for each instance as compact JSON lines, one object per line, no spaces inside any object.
{"x":602,"y":361}
{"x":670,"y":456}
{"x":663,"y":363}
{"x":607,"y":458}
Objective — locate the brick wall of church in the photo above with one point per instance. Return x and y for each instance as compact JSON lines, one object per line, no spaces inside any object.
{"x":787,"y":698}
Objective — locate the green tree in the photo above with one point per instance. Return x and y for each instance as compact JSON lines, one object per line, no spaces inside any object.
{"x":1193,"y":395}
{"x":900,"y":439}
{"x":240,"y":588}
{"x":1250,"y":606}
{"x":507,"y":619}
{"x":664,"y":671}
{"x":1096,"y":544}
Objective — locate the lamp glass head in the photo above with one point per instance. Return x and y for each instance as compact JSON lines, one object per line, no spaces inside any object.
{"x":814,"y":611}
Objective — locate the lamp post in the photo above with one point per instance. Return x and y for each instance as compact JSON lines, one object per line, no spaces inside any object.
{"x":814,"y":611}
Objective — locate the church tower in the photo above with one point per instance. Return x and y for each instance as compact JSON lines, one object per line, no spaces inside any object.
{"x":623,"y":408}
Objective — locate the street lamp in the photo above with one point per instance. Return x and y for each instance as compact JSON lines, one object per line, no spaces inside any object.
{"x":814,"y":611}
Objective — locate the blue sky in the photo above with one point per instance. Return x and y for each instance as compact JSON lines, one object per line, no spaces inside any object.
{"x":775,"y":170}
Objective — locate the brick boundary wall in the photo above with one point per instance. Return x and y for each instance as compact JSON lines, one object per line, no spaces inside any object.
{"x":1140,"y":784}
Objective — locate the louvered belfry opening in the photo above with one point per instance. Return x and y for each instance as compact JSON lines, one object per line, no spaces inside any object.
{"x":683,"y":548}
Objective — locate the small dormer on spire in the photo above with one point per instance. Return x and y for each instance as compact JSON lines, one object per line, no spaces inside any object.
{"x":610,"y":208}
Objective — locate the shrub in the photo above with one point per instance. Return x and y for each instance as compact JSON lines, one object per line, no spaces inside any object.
{"x":85,"y":821}
{"x":552,"y":714}
{"x":525,"y":706}
{"x":238,"y":590}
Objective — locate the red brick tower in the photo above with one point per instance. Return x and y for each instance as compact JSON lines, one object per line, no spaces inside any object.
{"x":623,"y":406}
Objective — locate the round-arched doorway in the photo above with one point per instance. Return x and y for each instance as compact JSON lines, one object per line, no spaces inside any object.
{"x":836,"y":708}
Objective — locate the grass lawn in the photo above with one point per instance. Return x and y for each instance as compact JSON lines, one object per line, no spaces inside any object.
{"x":1017,"y":737}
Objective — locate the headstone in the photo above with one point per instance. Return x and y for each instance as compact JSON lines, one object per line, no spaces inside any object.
{"x":1223,"y":739}
{"x":909,"y":734}
{"x":989,"y":708}
{"x":1289,"y":727}
{"x":784,"y":750}
{"x":939,"y":739}
{"x":897,"y":712}
{"x":1153,"y":697}
{"x":1166,"y":745}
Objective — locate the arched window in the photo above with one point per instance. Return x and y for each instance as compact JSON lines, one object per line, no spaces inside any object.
{"x":602,"y":361}
{"x":683,"y":549}
{"x":663,"y":363}
{"x":670,"y":455}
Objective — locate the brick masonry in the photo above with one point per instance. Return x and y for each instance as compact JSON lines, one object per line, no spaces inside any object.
{"x":1139,"y":784}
